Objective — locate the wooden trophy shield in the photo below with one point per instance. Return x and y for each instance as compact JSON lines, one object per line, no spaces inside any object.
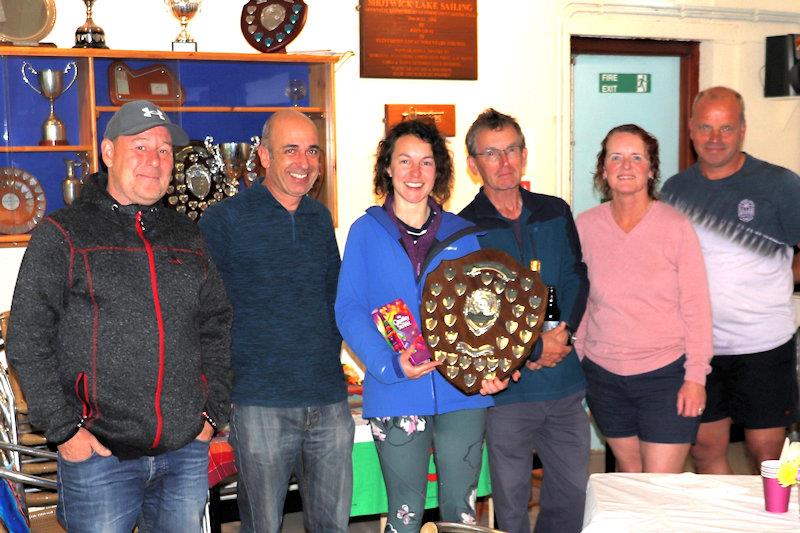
{"x":481,"y":315}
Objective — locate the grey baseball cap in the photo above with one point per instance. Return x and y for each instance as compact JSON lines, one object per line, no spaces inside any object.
{"x":142,"y":115}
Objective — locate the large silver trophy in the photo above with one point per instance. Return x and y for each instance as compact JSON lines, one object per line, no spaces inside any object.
{"x":237,"y":162}
{"x":90,"y":35}
{"x":51,"y":86}
{"x":184,"y":11}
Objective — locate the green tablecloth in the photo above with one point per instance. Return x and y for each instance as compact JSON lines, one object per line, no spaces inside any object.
{"x":369,"y":492}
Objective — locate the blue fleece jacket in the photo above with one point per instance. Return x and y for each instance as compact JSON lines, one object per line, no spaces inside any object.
{"x":548,"y":234}
{"x":375,"y":271}
{"x":280,"y":271}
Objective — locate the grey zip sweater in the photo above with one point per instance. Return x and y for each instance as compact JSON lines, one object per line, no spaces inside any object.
{"x":120,"y":323}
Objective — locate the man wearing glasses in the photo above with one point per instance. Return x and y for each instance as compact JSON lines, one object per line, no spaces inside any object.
{"x":276,"y":251}
{"x":543,"y":411}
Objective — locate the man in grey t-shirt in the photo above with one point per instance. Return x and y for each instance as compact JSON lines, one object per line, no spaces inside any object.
{"x":746,"y":215}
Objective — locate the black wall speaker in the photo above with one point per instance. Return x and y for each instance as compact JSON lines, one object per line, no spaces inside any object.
{"x":782,"y":66}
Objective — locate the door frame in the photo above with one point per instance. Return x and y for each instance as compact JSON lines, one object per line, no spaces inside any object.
{"x":689,"y":54}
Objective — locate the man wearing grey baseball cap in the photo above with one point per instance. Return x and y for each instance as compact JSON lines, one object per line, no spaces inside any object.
{"x":119,"y":332}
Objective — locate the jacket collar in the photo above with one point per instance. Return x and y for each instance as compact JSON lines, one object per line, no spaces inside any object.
{"x":484,"y":208}
{"x":95,"y":192}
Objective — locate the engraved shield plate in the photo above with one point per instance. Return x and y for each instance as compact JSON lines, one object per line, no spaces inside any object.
{"x":197,"y":182}
{"x":22,"y":201}
{"x":481,"y":315}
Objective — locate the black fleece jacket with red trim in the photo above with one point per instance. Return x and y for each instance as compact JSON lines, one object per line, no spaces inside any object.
{"x":120,"y":324}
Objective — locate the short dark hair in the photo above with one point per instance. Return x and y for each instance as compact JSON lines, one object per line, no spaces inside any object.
{"x":426,"y":132}
{"x":491,"y":119}
{"x":651,"y":145}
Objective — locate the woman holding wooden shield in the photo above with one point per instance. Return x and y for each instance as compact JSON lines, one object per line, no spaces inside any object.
{"x":411,"y":407}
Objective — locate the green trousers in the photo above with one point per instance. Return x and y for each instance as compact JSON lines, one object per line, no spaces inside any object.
{"x":404,"y":445}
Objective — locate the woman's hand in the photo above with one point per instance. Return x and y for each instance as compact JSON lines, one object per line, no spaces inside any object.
{"x":691,"y":399}
{"x":493,"y":386}
{"x":414,"y":372}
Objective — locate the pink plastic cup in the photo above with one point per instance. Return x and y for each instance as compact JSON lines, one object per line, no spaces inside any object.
{"x":776,"y":498}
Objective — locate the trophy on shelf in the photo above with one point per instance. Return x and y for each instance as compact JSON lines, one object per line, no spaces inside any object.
{"x":296,"y":91}
{"x":51,"y":86}
{"x":236,"y":160}
{"x":90,"y":35}
{"x":184,"y":11}
{"x":71,"y":185}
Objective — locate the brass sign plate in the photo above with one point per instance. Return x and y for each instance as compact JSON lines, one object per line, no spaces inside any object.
{"x":442,"y":116}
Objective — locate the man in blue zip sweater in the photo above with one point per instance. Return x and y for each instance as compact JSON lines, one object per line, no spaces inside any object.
{"x":277,"y":253}
{"x":120,"y":334}
{"x":543,"y":411}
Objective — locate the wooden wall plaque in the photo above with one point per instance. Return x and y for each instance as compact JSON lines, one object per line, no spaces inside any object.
{"x":431,"y":39}
{"x":443,"y":116}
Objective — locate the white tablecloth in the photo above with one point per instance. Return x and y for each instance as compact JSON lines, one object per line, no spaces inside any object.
{"x":682,"y":502}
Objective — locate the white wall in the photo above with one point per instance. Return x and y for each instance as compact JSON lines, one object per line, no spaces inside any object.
{"x":523,"y":69}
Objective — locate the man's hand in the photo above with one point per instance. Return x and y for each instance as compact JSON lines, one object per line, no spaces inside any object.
{"x":554,"y":348}
{"x":414,"y":372}
{"x":206,"y":433}
{"x":80,"y":447}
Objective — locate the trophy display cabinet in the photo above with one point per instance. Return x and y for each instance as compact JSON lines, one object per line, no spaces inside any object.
{"x":50,"y":127}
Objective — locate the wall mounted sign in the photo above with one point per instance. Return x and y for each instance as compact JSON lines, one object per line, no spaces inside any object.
{"x":429,"y":39}
{"x":624,"y":83}
{"x":442,"y":116}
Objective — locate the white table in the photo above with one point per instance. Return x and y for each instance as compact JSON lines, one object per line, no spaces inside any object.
{"x":682,"y":502}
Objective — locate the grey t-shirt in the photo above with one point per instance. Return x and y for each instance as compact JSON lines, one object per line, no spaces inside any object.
{"x":747,"y":224}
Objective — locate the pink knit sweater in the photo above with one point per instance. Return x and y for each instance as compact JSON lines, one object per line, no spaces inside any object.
{"x":648,"y":295}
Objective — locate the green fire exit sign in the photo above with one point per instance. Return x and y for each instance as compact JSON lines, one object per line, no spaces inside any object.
{"x":624,"y":83}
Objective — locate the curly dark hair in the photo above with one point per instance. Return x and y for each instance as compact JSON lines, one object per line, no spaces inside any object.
{"x":651,"y":145}
{"x":443,"y":159}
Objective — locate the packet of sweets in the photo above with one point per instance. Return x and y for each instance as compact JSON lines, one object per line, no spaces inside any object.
{"x":397,"y":325}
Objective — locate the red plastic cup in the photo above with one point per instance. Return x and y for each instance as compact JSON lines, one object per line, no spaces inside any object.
{"x":776,"y":498}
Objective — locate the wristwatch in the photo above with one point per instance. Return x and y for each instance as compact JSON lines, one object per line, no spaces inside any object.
{"x":570,"y":336}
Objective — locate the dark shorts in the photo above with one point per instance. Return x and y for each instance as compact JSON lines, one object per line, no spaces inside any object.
{"x":757,"y":390}
{"x":643,"y":405}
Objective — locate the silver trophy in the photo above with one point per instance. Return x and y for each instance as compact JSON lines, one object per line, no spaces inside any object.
{"x":184,"y":11}
{"x":236,"y":160}
{"x":72,"y":183}
{"x":51,"y":86}
{"x":296,"y":91}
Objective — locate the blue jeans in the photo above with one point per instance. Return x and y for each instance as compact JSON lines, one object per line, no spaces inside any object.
{"x":166,"y":492}
{"x":316,"y":443}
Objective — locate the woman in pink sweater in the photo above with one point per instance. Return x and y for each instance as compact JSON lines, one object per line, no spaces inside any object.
{"x":645,"y":338}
